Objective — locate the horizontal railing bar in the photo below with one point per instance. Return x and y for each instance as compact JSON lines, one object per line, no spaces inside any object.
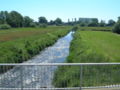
{"x":76,"y":88}
{"x":55,"y":64}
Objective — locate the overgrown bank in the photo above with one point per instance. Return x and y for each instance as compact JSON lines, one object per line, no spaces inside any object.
{"x":22,"y":48}
{"x":90,"y":46}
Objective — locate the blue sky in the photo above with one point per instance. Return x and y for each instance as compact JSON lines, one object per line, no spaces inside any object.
{"x":51,"y":9}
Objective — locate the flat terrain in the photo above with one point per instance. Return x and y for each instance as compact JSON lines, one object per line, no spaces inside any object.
{"x":17,"y":33}
{"x":106,"y":43}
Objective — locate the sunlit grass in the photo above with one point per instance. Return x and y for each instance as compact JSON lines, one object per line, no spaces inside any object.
{"x":91,"y":47}
{"x":18,"y":45}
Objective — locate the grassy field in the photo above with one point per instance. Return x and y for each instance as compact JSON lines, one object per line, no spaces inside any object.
{"x":91,"y":46}
{"x":106,"y":43}
{"x":95,"y":28}
{"x":20,"y":44}
{"x":16,"y":33}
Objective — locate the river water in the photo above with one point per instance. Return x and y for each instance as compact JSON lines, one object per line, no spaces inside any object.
{"x":38,"y":76}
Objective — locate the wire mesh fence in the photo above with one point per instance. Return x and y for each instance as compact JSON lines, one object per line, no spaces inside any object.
{"x":59,"y":76}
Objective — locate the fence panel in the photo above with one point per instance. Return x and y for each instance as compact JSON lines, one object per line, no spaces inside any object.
{"x":59,"y":76}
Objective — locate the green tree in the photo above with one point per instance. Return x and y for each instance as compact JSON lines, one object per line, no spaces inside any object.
{"x":15,"y":19}
{"x":58,"y":21}
{"x":116,"y":28}
{"x":118,"y":18}
{"x":52,"y":22}
{"x":27,"y":21}
{"x":3,"y":17}
{"x":111,"y":22}
{"x":42,"y":20}
{"x":102,"y":23}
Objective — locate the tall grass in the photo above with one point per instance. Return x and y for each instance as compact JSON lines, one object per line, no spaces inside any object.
{"x":91,"y":46}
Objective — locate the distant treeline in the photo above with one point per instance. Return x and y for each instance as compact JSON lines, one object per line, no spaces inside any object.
{"x":90,"y":22}
{"x":15,"y":19}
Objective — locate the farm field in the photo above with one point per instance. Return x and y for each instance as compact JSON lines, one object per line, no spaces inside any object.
{"x":88,"y":47}
{"x":20,"y":44}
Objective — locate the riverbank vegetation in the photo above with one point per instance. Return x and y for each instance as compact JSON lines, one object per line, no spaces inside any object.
{"x":18,"y":45}
{"x":88,"y":47}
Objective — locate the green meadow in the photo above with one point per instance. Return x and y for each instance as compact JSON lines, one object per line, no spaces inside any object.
{"x":88,"y":47}
{"x":106,"y":43}
{"x":20,"y":44}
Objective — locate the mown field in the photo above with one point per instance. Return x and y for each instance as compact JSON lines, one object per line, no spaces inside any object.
{"x":20,"y":44}
{"x":91,"y":46}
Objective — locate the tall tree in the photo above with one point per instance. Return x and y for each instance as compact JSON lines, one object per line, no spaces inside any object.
{"x":15,"y":19}
{"x":111,"y":22}
{"x":118,"y":18}
{"x":58,"y":21}
{"x":27,"y":21}
{"x":116,"y":28}
{"x":42,"y":20}
{"x":3,"y":17}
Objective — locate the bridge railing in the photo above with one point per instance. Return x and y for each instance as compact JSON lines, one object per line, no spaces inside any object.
{"x":59,"y":76}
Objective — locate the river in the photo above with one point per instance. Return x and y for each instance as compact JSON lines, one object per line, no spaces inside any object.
{"x":38,"y":76}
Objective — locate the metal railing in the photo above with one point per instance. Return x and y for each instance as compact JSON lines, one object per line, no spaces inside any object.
{"x":59,"y":76}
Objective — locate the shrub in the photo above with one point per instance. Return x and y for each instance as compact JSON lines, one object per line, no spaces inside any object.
{"x":116,"y":28}
{"x":5,"y":26}
{"x":92,"y":24}
{"x":75,"y":28}
{"x":33,"y":25}
{"x":43,"y":25}
{"x":82,"y":24}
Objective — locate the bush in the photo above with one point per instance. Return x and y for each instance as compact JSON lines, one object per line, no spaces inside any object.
{"x":33,"y":25}
{"x":82,"y":24}
{"x":116,"y":28}
{"x":75,"y":28}
{"x":43,"y":25}
{"x":5,"y":26}
{"x":92,"y":24}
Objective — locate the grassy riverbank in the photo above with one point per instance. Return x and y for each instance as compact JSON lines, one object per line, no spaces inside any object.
{"x":91,"y":46}
{"x":18,"y":45}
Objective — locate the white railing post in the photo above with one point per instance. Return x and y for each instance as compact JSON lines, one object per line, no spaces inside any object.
{"x":81,"y":76}
{"x":21,"y":77}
